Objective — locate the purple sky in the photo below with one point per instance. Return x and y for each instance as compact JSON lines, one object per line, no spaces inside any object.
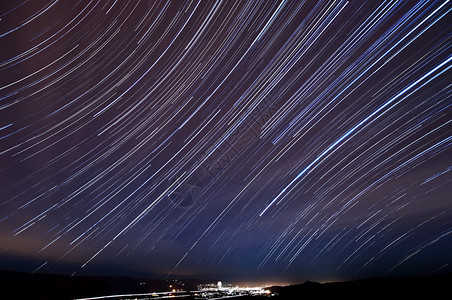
{"x":254,"y":141}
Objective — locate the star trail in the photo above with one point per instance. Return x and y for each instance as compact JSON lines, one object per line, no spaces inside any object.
{"x":251,"y":140}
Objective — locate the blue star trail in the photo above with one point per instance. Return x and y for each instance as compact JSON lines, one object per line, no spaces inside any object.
{"x":254,"y":140}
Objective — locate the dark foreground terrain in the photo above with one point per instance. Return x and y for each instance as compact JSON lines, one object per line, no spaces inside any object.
{"x":431,"y":287}
{"x":18,"y":285}
{"x":15,"y":285}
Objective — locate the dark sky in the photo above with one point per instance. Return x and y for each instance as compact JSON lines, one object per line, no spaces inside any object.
{"x":262,"y":140}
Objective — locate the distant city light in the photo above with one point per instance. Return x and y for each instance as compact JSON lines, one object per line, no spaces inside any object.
{"x":205,"y":291}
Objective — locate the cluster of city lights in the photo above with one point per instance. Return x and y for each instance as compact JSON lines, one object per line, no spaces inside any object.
{"x":212,"y":289}
{"x":205,"y":291}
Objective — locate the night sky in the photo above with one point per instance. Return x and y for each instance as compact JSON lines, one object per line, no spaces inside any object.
{"x":255,"y":141}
